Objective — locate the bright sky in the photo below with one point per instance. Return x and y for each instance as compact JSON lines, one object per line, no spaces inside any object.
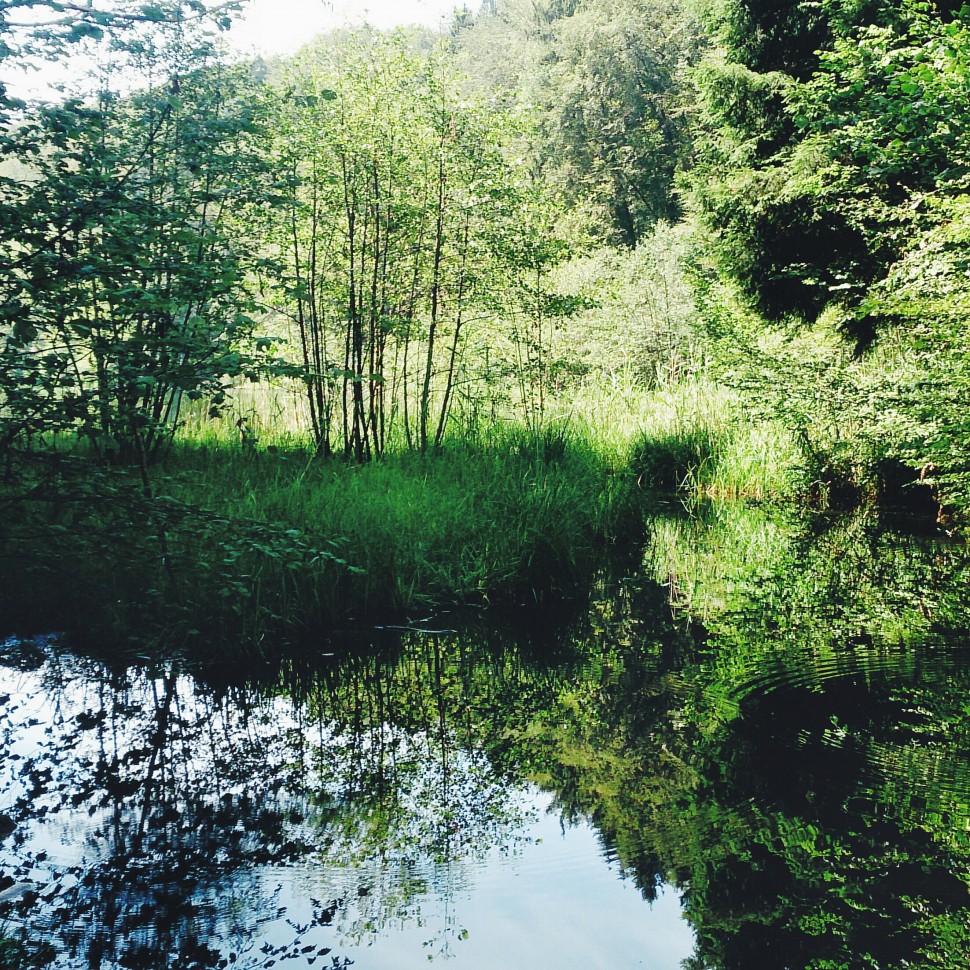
{"x":283,"y":26}
{"x":276,"y":27}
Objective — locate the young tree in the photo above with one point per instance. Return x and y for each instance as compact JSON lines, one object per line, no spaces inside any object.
{"x":395,"y":238}
{"x":124,"y":267}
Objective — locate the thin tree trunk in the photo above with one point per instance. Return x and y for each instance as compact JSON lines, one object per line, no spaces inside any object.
{"x":435,"y":302}
{"x":453,"y":355}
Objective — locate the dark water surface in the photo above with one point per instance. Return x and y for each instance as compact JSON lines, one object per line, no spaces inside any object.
{"x":750,"y":753}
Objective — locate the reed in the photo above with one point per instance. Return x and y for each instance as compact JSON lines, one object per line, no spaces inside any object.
{"x":246,"y":536}
{"x":695,"y":437}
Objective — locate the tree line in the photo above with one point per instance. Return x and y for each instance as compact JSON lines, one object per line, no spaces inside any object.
{"x":396,"y":208}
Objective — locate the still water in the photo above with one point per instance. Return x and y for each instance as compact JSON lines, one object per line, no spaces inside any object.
{"x":751,"y":750}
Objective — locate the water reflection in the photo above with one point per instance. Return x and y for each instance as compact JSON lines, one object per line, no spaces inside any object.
{"x":765,"y":728}
{"x":345,"y":812}
{"x":831,"y":771}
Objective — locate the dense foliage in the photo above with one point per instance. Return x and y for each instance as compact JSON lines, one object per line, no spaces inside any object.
{"x":609,"y":82}
{"x":418,"y":318}
{"x":124,"y":260}
{"x":397,"y":243}
{"x":833,"y":179}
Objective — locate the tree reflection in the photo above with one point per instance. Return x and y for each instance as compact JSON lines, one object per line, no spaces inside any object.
{"x":138,"y":797}
{"x":771,"y":719}
{"x":148,"y":803}
{"x":807,"y":785}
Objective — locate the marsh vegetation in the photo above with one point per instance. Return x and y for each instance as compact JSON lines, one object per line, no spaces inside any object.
{"x":396,"y":321}
{"x":456,"y":332}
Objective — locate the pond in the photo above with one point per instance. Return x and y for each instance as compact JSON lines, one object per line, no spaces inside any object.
{"x":751,"y":750}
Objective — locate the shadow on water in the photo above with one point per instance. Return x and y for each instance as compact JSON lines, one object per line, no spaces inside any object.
{"x":768,"y":721}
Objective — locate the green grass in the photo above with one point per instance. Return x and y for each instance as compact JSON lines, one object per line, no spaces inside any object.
{"x":242,"y":542}
{"x":696,"y":437}
{"x":519,"y":516}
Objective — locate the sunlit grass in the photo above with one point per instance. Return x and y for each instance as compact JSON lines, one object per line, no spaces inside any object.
{"x":695,"y":437}
{"x":518,"y":515}
{"x":248,"y":535}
